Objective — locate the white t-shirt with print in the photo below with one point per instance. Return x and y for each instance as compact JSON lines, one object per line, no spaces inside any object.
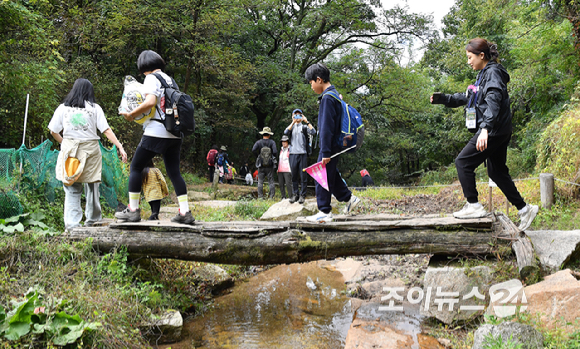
{"x":79,"y":123}
{"x":151,"y":85}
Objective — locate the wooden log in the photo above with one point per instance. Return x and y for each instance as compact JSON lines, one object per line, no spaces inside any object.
{"x":523,"y":249}
{"x":259,"y":243}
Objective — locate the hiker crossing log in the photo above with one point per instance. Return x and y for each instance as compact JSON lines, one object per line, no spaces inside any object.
{"x":259,"y":243}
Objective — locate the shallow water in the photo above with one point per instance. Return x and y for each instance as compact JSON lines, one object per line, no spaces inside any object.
{"x":296,"y":306}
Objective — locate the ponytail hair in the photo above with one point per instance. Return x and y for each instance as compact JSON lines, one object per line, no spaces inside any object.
{"x":479,"y":45}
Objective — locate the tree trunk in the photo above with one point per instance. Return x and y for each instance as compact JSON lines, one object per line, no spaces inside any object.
{"x":259,"y":243}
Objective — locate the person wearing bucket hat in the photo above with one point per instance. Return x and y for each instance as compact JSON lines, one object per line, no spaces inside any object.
{"x":300,"y":133}
{"x":221,"y":160}
{"x":266,"y":155}
{"x":284,"y":174}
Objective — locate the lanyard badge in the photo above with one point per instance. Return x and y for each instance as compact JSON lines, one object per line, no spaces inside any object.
{"x":470,"y":111}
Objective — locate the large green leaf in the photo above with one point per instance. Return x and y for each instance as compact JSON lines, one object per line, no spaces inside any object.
{"x":16,"y":330}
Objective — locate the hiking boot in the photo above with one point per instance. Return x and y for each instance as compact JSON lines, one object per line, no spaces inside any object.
{"x":471,"y":211}
{"x":183,"y":219}
{"x":320,"y":217}
{"x":128,"y":215}
{"x":301,"y":200}
{"x":294,"y":199}
{"x":153,"y":217}
{"x":354,"y":200}
{"x":527,"y":215}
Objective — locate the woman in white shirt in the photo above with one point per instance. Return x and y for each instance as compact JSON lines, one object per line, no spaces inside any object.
{"x":78,"y":118}
{"x":284,"y":174}
{"x":156,"y":140}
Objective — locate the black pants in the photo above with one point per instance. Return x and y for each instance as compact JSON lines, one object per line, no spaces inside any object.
{"x":495,"y":154}
{"x":211,"y":170}
{"x":298,"y":162}
{"x":170,"y":149}
{"x":262,"y":173}
{"x":336,"y":186}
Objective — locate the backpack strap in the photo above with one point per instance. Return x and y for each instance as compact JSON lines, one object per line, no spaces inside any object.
{"x":164,"y":83}
{"x":333,"y":95}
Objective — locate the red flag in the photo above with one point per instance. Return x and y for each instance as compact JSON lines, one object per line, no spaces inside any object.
{"x":318,"y":172}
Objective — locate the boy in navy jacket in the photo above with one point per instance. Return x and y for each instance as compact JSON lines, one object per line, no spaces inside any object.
{"x":329,"y":117}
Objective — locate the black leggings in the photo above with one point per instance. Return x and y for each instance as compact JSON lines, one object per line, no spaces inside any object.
{"x":170,"y":153}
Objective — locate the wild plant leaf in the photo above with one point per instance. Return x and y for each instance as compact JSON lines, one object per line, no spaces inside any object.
{"x":15,"y":219}
{"x":63,"y":319}
{"x":69,"y":334}
{"x":16,"y":330}
{"x":31,"y":221}
{"x":12,"y":228}
{"x":37,"y":216}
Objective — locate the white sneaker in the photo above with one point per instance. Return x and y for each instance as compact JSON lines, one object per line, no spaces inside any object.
{"x":320,"y":217}
{"x":471,"y":211}
{"x":351,"y":204}
{"x":527,"y":215}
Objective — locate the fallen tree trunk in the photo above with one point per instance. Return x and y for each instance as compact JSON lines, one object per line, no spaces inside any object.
{"x":258,"y":243}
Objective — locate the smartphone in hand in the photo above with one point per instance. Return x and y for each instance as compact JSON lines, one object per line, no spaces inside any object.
{"x":437,"y":98}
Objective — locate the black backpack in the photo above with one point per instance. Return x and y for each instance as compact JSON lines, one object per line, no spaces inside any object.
{"x":178,"y":108}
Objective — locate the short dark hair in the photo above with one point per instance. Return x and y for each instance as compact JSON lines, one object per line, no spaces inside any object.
{"x":479,"y":45}
{"x":81,"y":92}
{"x":149,"y":61}
{"x":317,"y":70}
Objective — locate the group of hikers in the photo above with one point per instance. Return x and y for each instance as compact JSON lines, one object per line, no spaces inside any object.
{"x":487,"y":115}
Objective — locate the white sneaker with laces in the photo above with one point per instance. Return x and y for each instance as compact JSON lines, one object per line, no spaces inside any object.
{"x":320,"y":217}
{"x":475,"y":210}
{"x":351,"y":204}
{"x":527,"y":215}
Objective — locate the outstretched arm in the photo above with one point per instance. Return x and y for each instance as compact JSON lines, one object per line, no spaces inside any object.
{"x":111,"y":136}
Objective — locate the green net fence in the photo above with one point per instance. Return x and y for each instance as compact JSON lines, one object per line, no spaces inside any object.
{"x":25,"y":169}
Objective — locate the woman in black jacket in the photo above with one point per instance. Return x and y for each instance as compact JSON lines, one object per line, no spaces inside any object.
{"x":488,"y":115}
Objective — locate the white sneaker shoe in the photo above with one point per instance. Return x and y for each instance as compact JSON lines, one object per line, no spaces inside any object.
{"x":527,"y":215}
{"x":351,"y":204}
{"x":320,"y":217}
{"x":471,"y":211}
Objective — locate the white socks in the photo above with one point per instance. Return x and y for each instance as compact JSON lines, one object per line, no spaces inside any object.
{"x":134,"y":201}
{"x":183,"y":204}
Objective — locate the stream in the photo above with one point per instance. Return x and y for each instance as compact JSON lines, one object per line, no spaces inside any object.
{"x":296,"y":306}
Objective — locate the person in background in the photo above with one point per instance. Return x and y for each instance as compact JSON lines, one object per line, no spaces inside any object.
{"x":231,"y":173}
{"x":79,"y":118}
{"x":154,"y":189}
{"x":329,"y":116}
{"x":221,"y":162}
{"x":488,"y":115}
{"x":156,"y":140}
{"x":244,"y":170}
{"x":366,"y":179}
{"x":211,"y":155}
{"x":262,"y":148}
{"x":299,"y":132}
{"x":284,"y":174}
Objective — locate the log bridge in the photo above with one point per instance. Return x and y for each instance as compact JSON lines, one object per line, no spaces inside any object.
{"x":268,"y":242}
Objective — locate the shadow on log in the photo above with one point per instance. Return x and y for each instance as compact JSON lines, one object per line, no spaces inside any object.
{"x":259,"y":243}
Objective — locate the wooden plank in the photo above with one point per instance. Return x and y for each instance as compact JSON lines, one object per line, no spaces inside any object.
{"x":447,"y":222}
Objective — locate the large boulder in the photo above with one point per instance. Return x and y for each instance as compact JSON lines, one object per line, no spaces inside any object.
{"x":454,"y":294}
{"x":555,"y":247}
{"x":504,"y":297}
{"x":165,"y":329}
{"x":285,"y":211}
{"x":526,"y":335}
{"x":555,"y":300}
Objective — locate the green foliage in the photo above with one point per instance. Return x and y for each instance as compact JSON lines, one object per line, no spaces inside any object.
{"x":250,"y":209}
{"x":492,"y":342}
{"x":21,"y":222}
{"x":559,"y":146}
{"x":39,"y":317}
